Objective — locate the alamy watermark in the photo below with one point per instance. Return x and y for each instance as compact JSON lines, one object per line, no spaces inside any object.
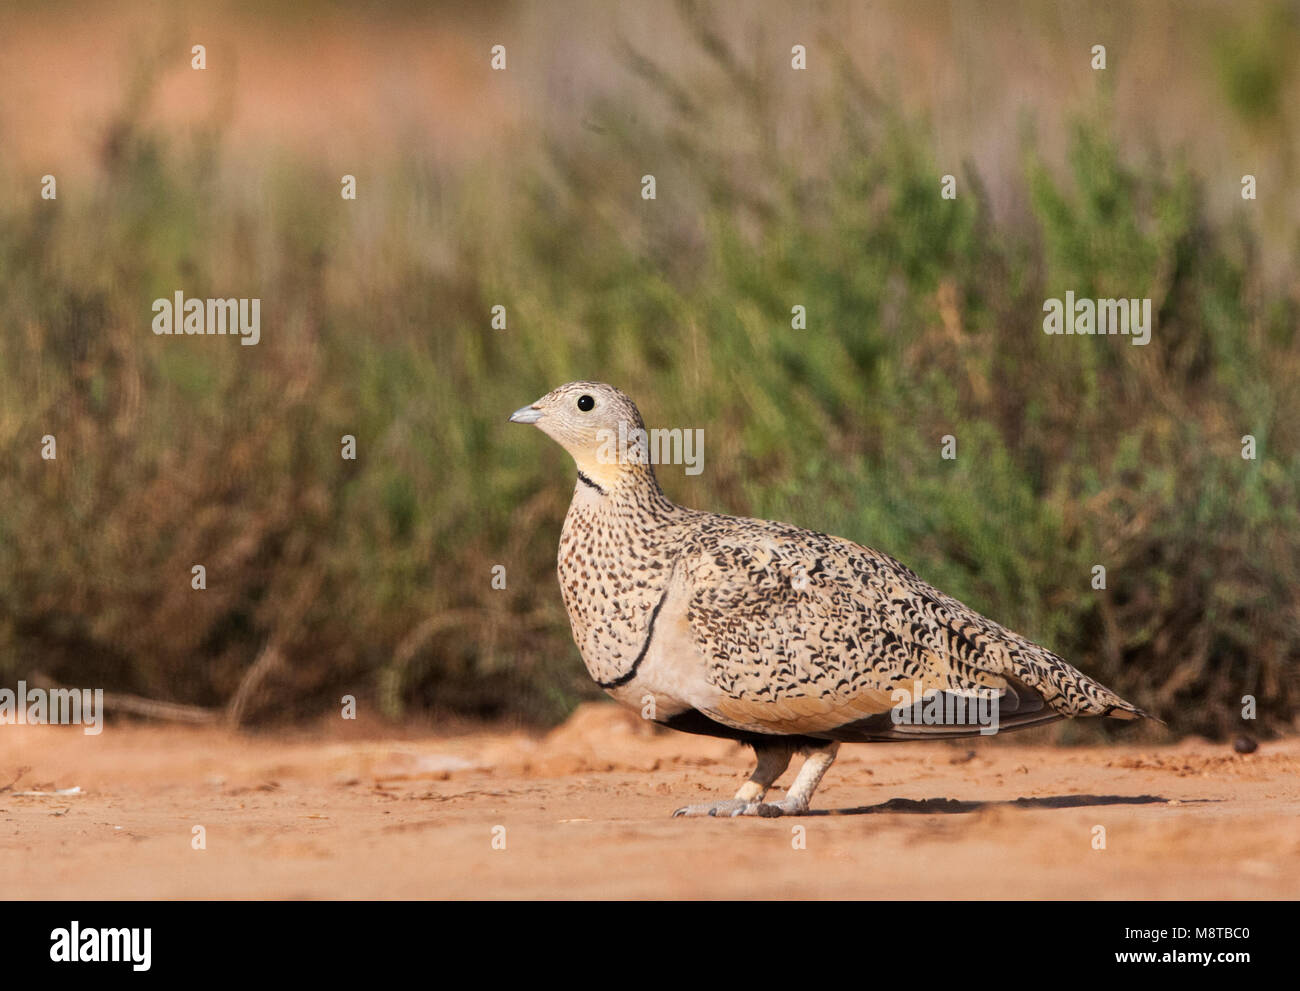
{"x":657,"y":447}
{"x":54,"y":706}
{"x":1098,"y":317}
{"x":920,"y":707}
{"x":90,"y":945}
{"x":240,"y":318}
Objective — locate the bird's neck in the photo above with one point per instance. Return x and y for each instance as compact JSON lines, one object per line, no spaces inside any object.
{"x":627,"y":505}
{"x":612,"y":469}
{"x":620,"y":480}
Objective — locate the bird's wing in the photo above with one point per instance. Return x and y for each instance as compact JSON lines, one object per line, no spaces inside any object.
{"x":810,"y":634}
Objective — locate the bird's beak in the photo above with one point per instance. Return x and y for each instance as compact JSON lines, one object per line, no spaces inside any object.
{"x":528,"y":414}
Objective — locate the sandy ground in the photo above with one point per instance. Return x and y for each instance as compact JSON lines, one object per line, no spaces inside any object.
{"x":585,"y":813}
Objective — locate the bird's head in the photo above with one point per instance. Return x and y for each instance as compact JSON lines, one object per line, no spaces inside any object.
{"x":595,"y":423}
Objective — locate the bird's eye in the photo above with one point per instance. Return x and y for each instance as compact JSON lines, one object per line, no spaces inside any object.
{"x":586,"y":403}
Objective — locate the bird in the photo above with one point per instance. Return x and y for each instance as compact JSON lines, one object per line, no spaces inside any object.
{"x":785,"y":639}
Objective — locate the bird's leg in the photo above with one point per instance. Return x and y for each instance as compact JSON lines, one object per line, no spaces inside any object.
{"x":773,"y":759}
{"x":798,"y":798}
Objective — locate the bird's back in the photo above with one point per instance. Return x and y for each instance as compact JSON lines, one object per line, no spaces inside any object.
{"x":815,"y":633}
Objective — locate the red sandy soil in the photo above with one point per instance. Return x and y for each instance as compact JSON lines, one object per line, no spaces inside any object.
{"x":379,"y":813}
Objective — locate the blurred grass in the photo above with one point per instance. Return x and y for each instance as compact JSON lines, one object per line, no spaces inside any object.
{"x":924,"y":316}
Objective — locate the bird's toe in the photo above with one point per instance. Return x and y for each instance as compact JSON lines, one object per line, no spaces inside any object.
{"x":732,"y":806}
{"x":771,"y":810}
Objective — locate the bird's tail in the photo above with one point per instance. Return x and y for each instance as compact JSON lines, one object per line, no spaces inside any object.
{"x":1068,"y":690}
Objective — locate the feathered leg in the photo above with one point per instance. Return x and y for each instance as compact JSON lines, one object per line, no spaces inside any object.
{"x":773,"y":759}
{"x":799,"y":797}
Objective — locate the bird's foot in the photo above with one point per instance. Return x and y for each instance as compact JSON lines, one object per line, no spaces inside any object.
{"x":770,"y":810}
{"x":740,"y":807}
{"x":731,"y":807}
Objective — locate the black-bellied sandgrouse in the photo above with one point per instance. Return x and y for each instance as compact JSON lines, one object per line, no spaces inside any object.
{"x":783,"y":638}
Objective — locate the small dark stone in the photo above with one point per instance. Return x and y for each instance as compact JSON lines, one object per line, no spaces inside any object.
{"x":1245,"y":745}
